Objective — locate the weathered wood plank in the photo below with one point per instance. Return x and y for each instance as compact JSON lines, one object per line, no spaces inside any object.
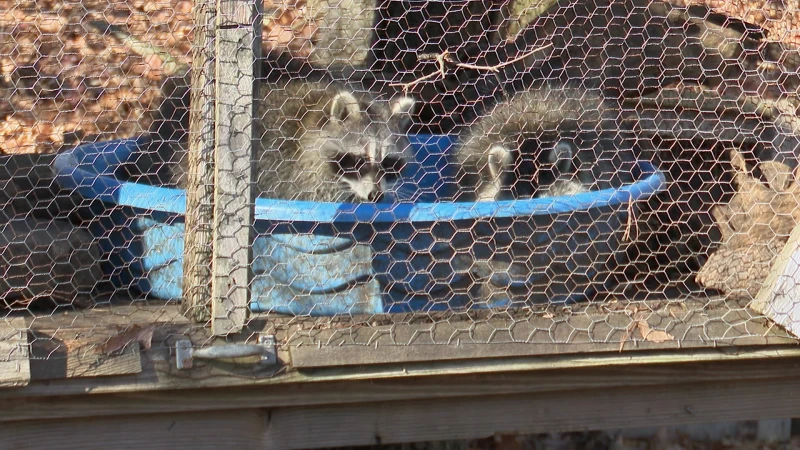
{"x":14,"y":352}
{"x":575,"y":410}
{"x":234,"y":193}
{"x":780,"y":294}
{"x":199,"y":186}
{"x":374,"y":390}
{"x":709,"y":336}
{"x":576,"y":332}
{"x":306,"y":357}
{"x":418,"y":420}
{"x":159,"y":373}
{"x":424,"y":419}
{"x":115,"y":316}
{"x":239,"y":13}
{"x":588,"y":339}
{"x":88,"y":363}
{"x":82,"y":353}
{"x":211,"y":430}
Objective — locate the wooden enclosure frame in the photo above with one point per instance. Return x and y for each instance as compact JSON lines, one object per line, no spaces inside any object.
{"x":79,"y":395}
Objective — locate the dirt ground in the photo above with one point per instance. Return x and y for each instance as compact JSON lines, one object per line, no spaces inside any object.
{"x":60,"y":84}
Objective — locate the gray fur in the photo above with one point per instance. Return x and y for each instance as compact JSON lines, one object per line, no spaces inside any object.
{"x":305,"y":129}
{"x":524,"y":133}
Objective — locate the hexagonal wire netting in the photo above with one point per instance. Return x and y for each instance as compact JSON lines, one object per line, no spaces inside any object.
{"x":613,"y":173}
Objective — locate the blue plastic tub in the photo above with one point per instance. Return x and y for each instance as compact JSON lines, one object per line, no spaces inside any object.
{"x":327,"y":259}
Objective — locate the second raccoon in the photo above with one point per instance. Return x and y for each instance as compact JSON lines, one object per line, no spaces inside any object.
{"x":545,"y":142}
{"x":553,"y":141}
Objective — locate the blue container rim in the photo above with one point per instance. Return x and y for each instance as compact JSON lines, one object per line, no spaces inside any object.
{"x":106,"y":188}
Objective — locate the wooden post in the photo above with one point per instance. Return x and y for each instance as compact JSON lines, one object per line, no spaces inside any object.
{"x":778,"y":297}
{"x":238,"y":43}
{"x":199,"y":189}
{"x":15,"y":365}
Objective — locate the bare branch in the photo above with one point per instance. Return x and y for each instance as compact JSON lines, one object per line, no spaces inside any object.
{"x":444,"y":57}
{"x":497,"y":67}
{"x":626,"y":236}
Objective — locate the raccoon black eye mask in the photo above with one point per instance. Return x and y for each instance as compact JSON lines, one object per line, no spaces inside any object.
{"x":354,"y":166}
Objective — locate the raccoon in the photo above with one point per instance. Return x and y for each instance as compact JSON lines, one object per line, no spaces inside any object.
{"x":326,"y":141}
{"x":321,"y":138}
{"x":556,"y":140}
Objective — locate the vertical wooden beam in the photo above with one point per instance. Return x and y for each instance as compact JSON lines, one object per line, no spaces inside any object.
{"x":199,"y":189}
{"x":238,"y":43}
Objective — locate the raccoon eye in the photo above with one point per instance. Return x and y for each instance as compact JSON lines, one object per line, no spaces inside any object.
{"x":393,"y":165}
{"x":349,"y":163}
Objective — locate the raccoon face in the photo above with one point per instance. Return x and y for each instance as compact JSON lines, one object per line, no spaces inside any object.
{"x":535,"y":169}
{"x":364,"y":143}
{"x":557,"y":171}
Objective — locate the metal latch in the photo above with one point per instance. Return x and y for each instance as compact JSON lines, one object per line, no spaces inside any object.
{"x":185,"y":353}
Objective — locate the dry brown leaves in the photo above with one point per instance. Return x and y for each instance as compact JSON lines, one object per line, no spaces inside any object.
{"x":780,"y":19}
{"x":646,"y":331}
{"x":755,"y":226}
{"x":60,"y":84}
{"x":652,"y":335}
{"x":288,"y":27}
{"x":136,"y":334}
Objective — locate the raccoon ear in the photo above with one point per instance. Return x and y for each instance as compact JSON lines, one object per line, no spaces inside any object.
{"x":499,"y":159}
{"x":403,"y":105}
{"x":343,"y":106}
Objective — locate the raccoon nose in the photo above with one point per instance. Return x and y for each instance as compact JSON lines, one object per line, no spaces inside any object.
{"x":375,"y":196}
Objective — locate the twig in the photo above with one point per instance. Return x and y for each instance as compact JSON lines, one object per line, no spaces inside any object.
{"x":170,"y":66}
{"x":440,"y":59}
{"x":771,"y":325}
{"x":497,"y":67}
{"x":628,"y":334}
{"x":444,"y":57}
{"x":626,"y":236}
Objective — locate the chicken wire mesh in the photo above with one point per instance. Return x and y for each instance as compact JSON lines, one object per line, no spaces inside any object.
{"x":596,"y":172}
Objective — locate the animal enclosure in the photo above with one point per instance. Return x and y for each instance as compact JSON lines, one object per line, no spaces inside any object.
{"x":204,"y":194}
